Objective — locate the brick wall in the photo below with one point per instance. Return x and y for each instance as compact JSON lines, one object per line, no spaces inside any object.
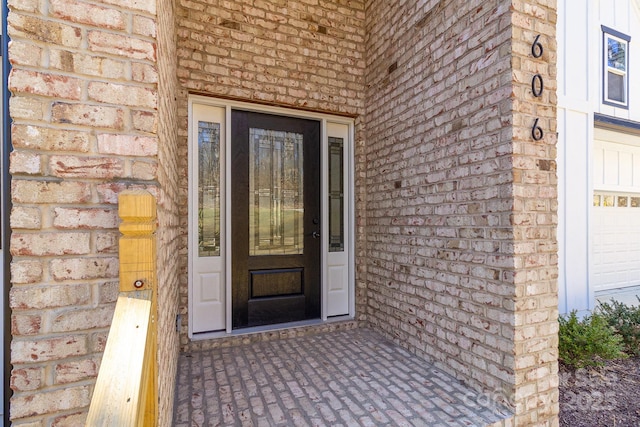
{"x":85,"y":103}
{"x":460,"y":200}
{"x":439,"y":183}
{"x":301,"y":54}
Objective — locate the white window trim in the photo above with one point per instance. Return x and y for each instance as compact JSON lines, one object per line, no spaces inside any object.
{"x":622,"y":38}
{"x":326,"y":122}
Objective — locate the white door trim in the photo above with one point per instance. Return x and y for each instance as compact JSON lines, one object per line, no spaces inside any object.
{"x":329,"y":123}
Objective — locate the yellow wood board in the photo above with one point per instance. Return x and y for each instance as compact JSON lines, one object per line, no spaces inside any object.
{"x":118,"y":398}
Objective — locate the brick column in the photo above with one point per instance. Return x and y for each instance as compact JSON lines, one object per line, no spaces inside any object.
{"x":534,"y":218}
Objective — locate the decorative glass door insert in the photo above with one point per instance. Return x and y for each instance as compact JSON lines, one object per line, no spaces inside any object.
{"x":208,"y":189}
{"x":336,"y":194}
{"x":276,"y":201}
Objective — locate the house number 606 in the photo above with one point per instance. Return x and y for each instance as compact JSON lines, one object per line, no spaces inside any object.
{"x":537,"y":87}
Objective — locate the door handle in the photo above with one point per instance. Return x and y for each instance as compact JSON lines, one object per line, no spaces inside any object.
{"x":315,"y":235}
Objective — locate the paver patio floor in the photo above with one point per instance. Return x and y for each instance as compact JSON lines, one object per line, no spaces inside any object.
{"x":344,"y":378}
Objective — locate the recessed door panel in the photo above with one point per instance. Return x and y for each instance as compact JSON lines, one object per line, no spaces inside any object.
{"x":209,"y":291}
{"x":273,"y":283}
{"x":338,"y":292}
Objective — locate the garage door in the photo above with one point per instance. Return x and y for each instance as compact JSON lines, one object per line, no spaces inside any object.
{"x":616,"y":241}
{"x":615,"y":221}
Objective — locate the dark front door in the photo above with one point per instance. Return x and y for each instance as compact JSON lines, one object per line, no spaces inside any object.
{"x":275,"y":210}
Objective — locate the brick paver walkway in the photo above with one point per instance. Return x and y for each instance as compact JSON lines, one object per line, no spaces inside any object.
{"x":347,"y":378}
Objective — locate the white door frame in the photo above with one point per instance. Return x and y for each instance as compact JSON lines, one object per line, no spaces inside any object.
{"x":339,"y":266}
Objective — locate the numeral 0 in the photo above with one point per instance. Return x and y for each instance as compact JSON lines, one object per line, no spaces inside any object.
{"x":537,"y":85}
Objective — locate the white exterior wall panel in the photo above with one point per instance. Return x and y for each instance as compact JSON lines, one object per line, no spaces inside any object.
{"x":582,"y":166}
{"x":577,"y":88}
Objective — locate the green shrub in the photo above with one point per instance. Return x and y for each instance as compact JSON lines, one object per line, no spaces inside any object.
{"x":626,"y":321}
{"x":588,"y":341}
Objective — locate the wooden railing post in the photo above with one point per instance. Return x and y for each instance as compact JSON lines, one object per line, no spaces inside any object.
{"x":137,"y":209}
{"x":138,"y":271}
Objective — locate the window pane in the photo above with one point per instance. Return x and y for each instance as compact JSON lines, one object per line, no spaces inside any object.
{"x":276,"y":202}
{"x":616,"y":90}
{"x":623,"y":201}
{"x":208,"y":189}
{"x":616,"y":54}
{"x":336,"y":195}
